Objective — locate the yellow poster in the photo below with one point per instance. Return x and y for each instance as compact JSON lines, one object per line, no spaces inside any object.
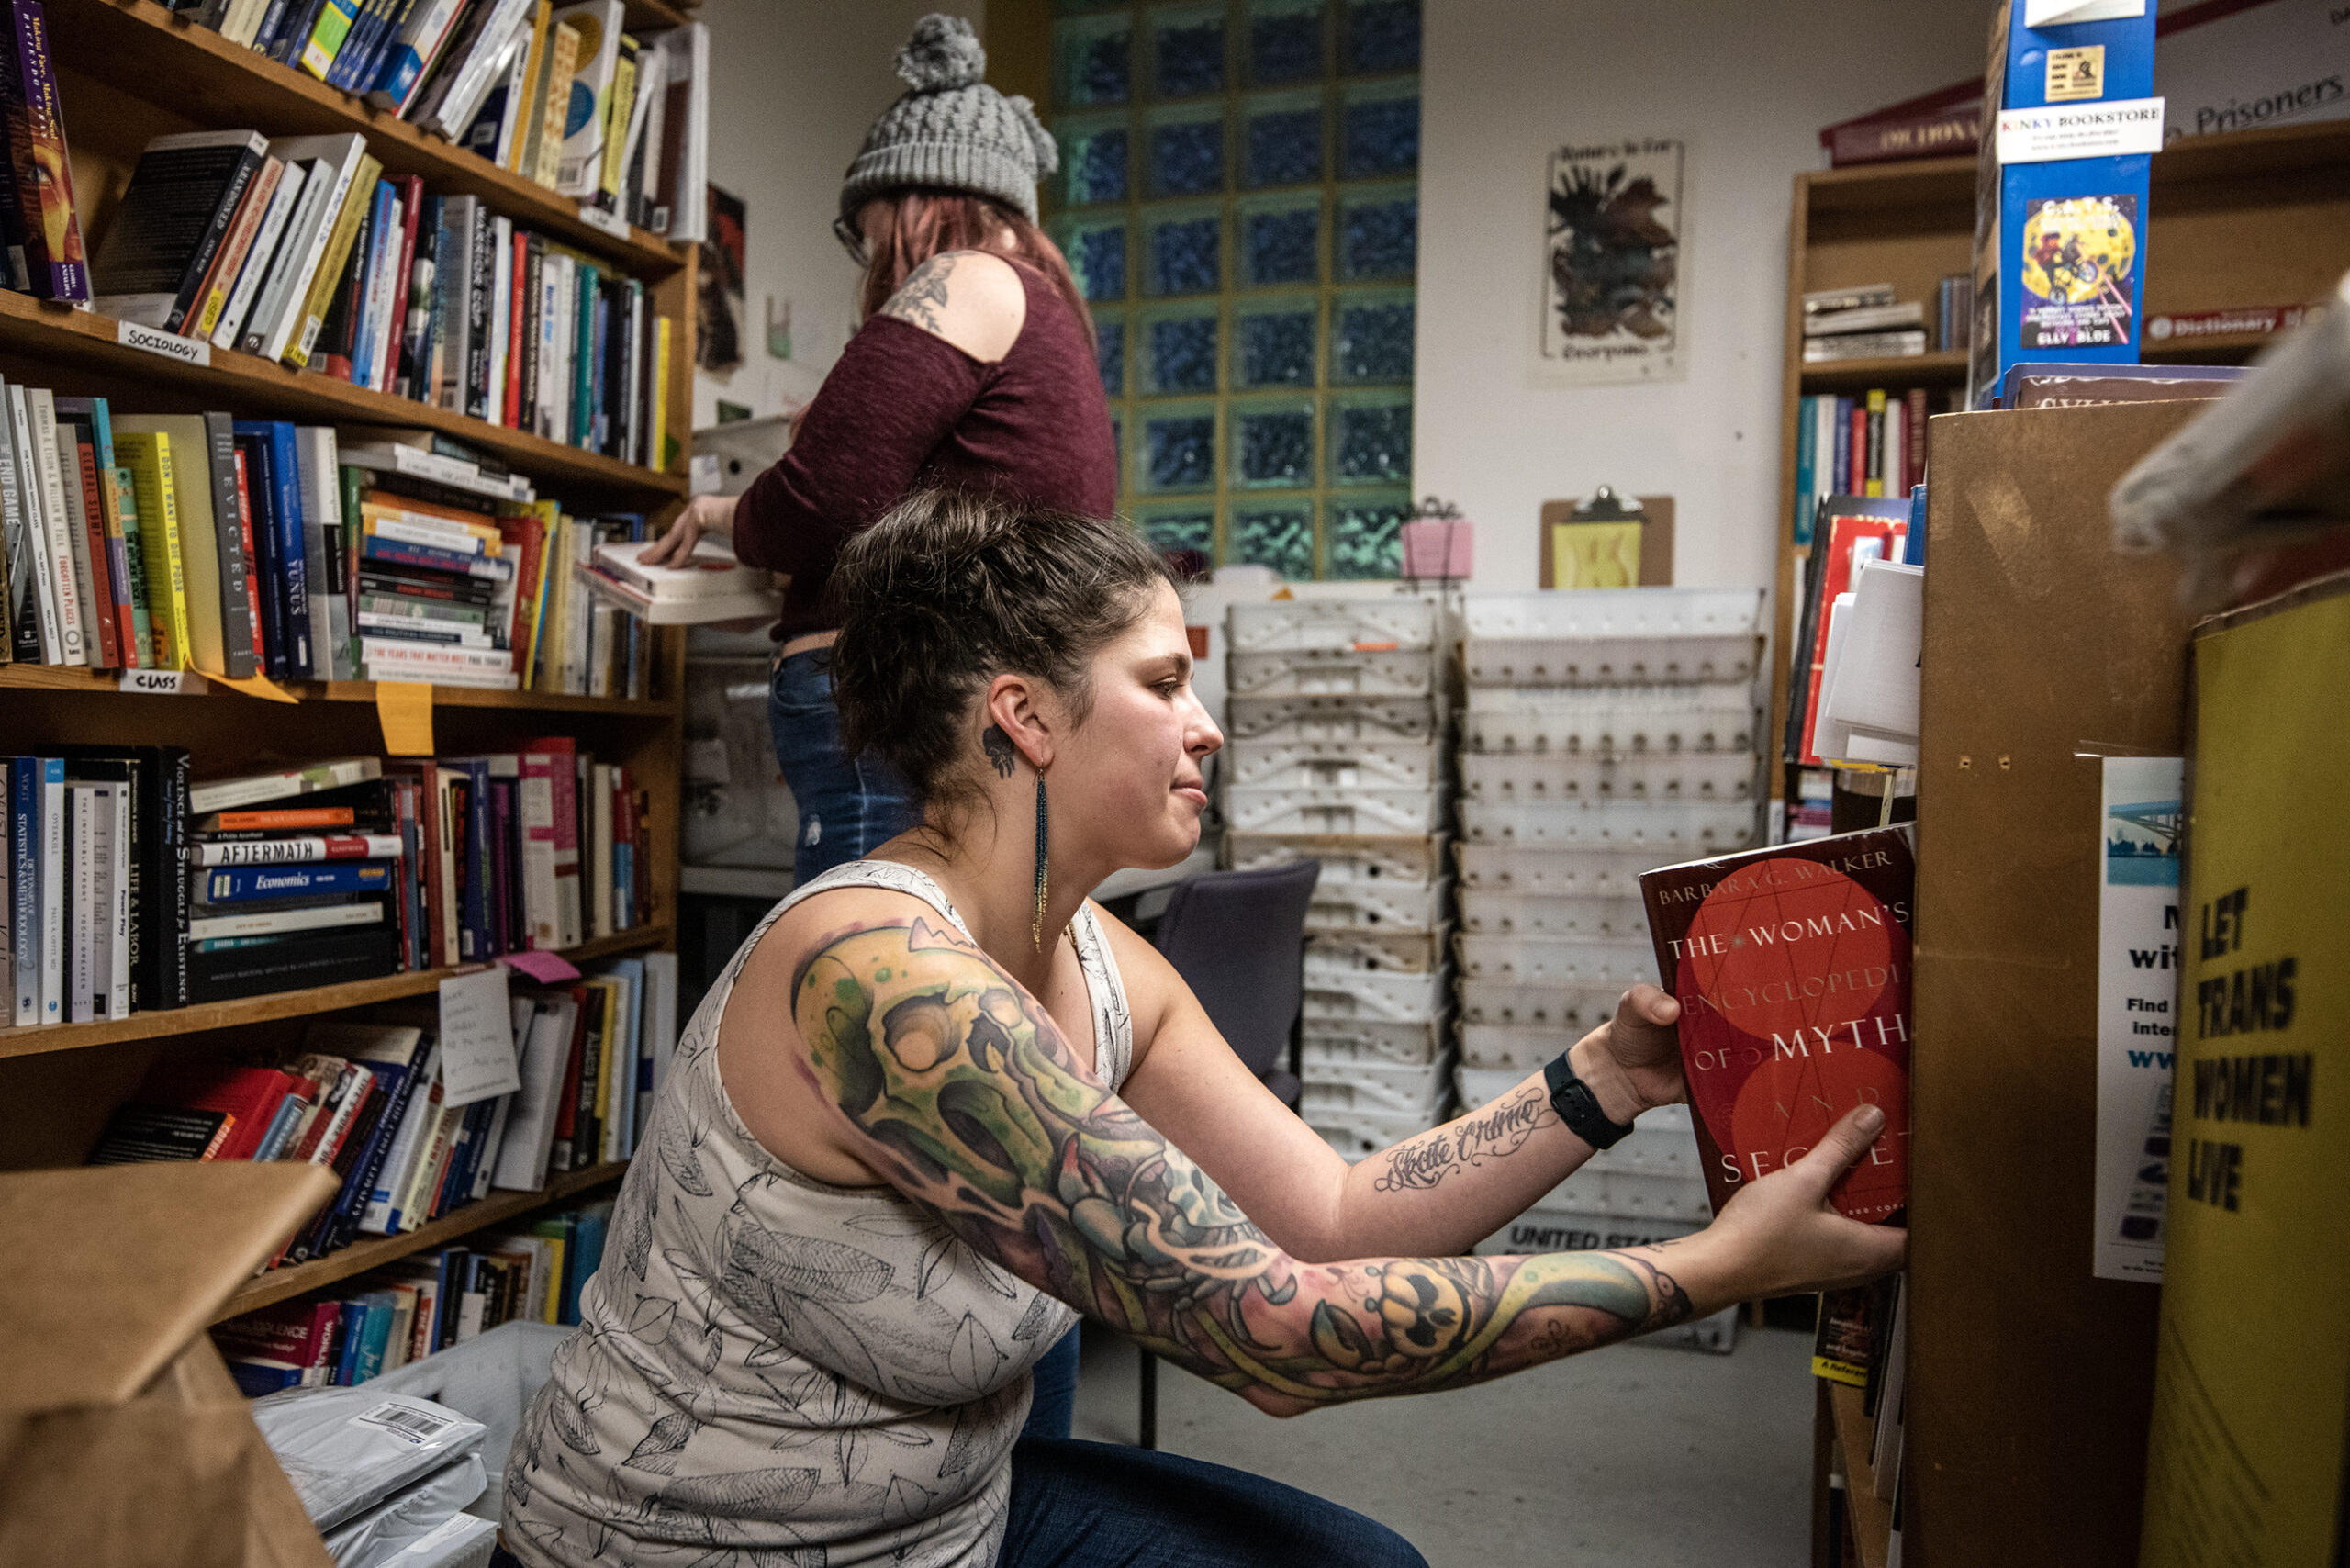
{"x":2251,"y":1387}
{"x":1595,"y":554}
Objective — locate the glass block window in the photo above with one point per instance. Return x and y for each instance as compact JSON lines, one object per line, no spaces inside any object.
{"x":1240,"y":204}
{"x":1186,"y":250}
{"x":1272,"y":443}
{"x":1181,"y":350}
{"x":1279,"y":537}
{"x":1366,"y":535}
{"x":1379,"y":131}
{"x":1379,"y":235}
{"x":1371,"y":336}
{"x":1110,"y":354}
{"x":1274,"y":342}
{"x":1183,"y":526}
{"x":1371,"y":438}
{"x":1094,"y":57}
{"x":1187,"y":44}
{"x":1186,"y":151}
{"x":1178,"y":448}
{"x":1285,"y":42}
{"x":1282,"y":139}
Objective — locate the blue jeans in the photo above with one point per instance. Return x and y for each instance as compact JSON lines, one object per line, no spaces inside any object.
{"x":1054,"y":1405}
{"x":847,"y":808}
{"x":1076,"y":1505}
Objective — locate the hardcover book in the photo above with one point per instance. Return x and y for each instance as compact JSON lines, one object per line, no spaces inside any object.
{"x":1792,"y":967}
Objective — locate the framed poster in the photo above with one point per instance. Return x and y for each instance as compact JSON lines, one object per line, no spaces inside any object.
{"x":1612,"y":259}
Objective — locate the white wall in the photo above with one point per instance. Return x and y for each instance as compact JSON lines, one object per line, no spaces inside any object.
{"x":794,"y":85}
{"x":1747,"y":86}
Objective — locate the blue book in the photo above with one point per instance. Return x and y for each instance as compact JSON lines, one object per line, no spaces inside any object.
{"x":282,"y":1124}
{"x":256,"y":494}
{"x":400,"y":553}
{"x":369,"y":326}
{"x":1839,"y":476}
{"x":53,"y":881}
{"x":354,"y":1318}
{"x":1913,"y":547}
{"x":24,"y":887}
{"x":244,"y":884}
{"x":255,"y":1378}
{"x":376,"y":1337}
{"x":473,"y":853}
{"x":359,"y":49}
{"x":1806,"y":445}
{"x":584,"y":337}
{"x":273,"y":475}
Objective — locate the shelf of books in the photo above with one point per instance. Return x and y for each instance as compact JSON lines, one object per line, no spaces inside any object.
{"x":2243,"y":230}
{"x":279,"y":1284}
{"x":332,"y":365}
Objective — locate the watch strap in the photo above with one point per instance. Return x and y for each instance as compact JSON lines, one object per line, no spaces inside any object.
{"x":1577,"y":1106}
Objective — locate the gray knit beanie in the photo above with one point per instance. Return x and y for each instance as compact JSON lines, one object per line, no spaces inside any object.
{"x":952,"y":132}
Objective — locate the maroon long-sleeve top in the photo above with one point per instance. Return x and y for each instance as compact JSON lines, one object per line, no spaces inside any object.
{"x":905,"y":408}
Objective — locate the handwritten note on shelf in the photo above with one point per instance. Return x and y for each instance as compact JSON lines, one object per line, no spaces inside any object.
{"x":477,"y":1039}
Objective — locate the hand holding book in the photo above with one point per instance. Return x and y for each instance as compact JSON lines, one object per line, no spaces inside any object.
{"x":1633,"y":1063}
{"x":1782,"y":1236}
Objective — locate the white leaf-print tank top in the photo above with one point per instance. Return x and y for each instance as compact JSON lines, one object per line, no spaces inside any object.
{"x":772,"y":1370}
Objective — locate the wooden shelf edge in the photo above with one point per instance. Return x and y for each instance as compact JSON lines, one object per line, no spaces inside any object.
{"x":1944,"y":364}
{"x":300,"y":102}
{"x":74,"y":679}
{"x":85,"y":337}
{"x":38,"y":1039}
{"x":1872,"y":1516}
{"x":281,"y":1284}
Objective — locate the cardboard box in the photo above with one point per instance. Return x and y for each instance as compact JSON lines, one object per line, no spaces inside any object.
{"x":123,"y":1441}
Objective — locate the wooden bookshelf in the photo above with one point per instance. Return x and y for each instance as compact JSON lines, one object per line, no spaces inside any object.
{"x":280,"y":1284}
{"x":2256,"y":217}
{"x":218,"y":84}
{"x":36,"y":1039}
{"x":128,"y":71}
{"x":91,"y":682}
{"x":1871,"y":1516}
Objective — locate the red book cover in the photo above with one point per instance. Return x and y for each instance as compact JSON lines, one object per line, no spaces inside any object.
{"x":113,"y":628}
{"x":252,"y":572}
{"x":1856,"y":467}
{"x":1842,"y":533}
{"x":525,"y":539}
{"x":411,"y":196}
{"x":1792,"y":968}
{"x":511,"y":411}
{"x":566,"y":1114}
{"x":251,"y":1094}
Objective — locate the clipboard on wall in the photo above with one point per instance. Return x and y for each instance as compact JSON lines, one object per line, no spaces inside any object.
{"x":1603,"y":542}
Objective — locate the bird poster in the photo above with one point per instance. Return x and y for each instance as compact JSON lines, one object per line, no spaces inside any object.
{"x":1611,"y":264}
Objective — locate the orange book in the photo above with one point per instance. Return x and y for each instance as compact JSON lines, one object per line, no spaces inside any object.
{"x":291,"y":816}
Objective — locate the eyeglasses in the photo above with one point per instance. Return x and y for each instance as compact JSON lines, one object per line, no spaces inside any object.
{"x":852,"y":239}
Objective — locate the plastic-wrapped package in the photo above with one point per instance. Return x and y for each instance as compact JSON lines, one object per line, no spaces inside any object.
{"x":376,"y":1536}
{"x":346,"y":1450}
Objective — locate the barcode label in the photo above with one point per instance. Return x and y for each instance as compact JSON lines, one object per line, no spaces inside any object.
{"x":417,"y":1427}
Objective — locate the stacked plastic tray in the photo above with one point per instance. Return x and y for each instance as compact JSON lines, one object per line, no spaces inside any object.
{"x":1337,"y":751}
{"x":1606,"y":733}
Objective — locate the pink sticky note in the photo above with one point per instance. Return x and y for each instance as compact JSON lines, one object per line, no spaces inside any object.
{"x":545,"y":967}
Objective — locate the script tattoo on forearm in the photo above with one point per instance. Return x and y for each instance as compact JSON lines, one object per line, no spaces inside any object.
{"x":922,"y":299}
{"x":1500,"y":1129}
{"x":972,"y":1102}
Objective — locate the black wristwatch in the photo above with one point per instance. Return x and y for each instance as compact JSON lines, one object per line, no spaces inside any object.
{"x":1579,"y":1107}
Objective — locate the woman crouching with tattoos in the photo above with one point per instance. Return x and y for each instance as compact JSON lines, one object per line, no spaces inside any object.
{"x":938,"y":1105}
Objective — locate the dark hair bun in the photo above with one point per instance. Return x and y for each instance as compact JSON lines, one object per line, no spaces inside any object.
{"x":953,"y":588}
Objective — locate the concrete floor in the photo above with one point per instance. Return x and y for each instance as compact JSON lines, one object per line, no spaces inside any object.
{"x":1623,"y":1458}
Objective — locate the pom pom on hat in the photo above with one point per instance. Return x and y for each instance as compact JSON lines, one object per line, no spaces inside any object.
{"x":944,"y":53}
{"x":1048,"y":152}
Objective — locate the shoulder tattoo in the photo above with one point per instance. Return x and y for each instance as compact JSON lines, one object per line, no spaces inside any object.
{"x":921,"y":300}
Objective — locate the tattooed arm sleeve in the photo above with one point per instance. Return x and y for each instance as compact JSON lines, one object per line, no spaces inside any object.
{"x":963,"y":1091}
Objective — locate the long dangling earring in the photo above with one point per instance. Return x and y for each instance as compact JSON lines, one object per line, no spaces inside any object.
{"x":1036,"y":923}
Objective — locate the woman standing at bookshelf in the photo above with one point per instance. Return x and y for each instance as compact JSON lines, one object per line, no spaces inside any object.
{"x":974,"y":367}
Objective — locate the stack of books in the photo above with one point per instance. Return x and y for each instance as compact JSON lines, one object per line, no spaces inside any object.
{"x":1861,"y":323}
{"x":295,"y":249}
{"x":392,"y":1316}
{"x":711,"y":586}
{"x":506,"y":78}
